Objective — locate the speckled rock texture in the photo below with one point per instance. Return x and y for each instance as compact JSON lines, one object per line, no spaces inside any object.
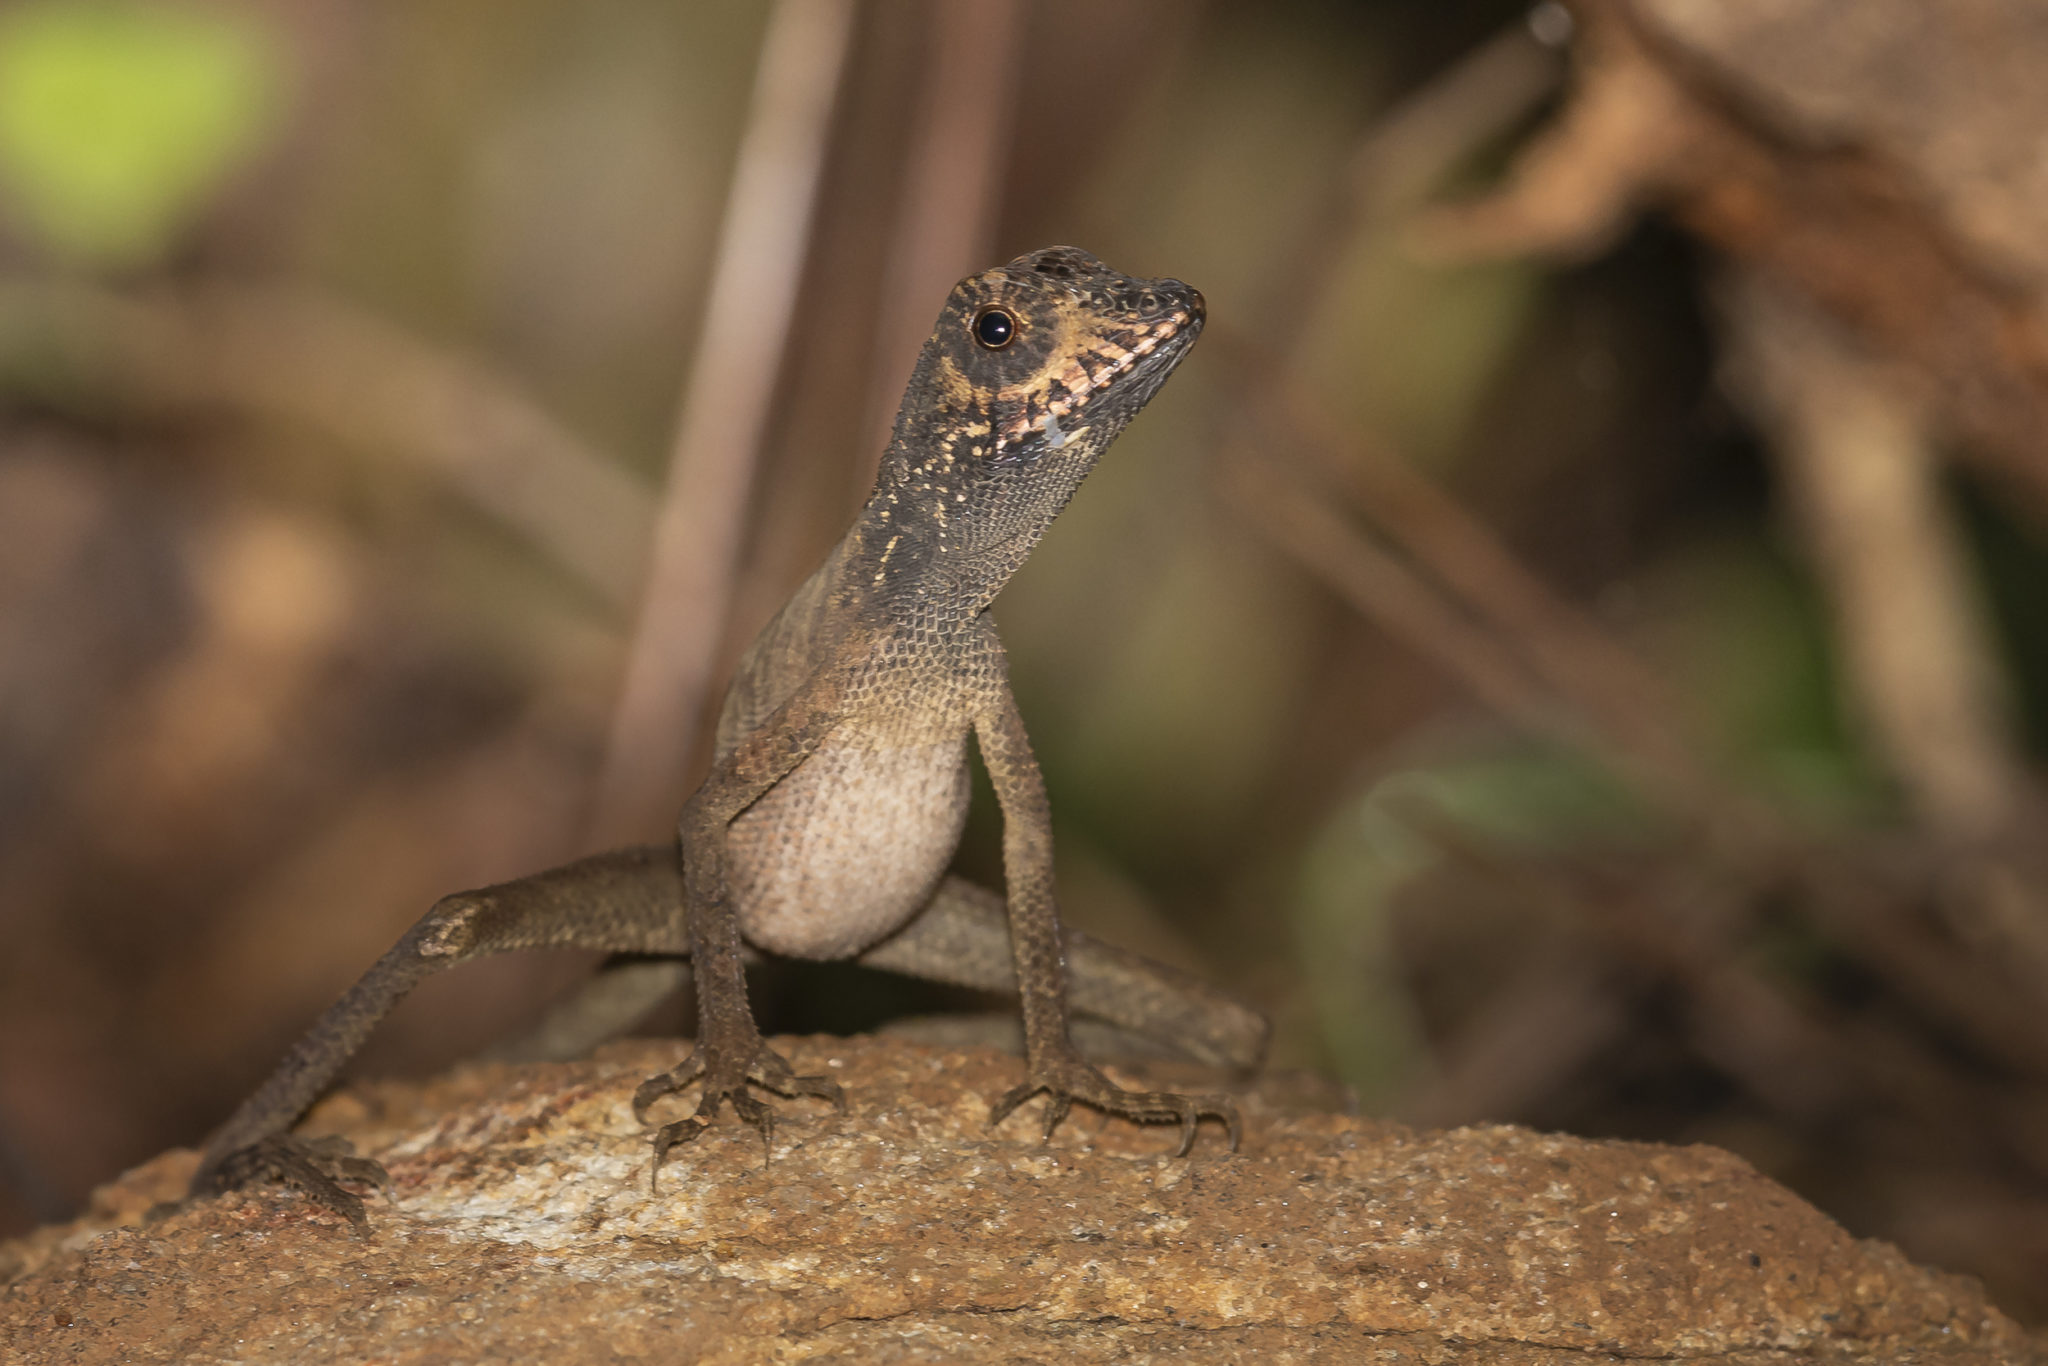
{"x":906,"y":1231}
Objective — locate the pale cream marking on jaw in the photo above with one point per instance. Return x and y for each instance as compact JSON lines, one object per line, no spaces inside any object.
{"x":1116,"y":360}
{"x":1080,"y":384}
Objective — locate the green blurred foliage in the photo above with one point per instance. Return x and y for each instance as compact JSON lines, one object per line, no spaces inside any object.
{"x":1511,"y":797}
{"x":120,"y":122}
{"x":1743,"y":629}
{"x":542,"y":182}
{"x":1728,"y":615}
{"x":1408,"y":348}
{"x":2013,"y":567}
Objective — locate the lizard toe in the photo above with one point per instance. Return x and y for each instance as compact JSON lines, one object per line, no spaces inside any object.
{"x":1056,"y":1107}
{"x":821,"y":1088}
{"x":667,"y":1083}
{"x":1009,"y":1100}
{"x":671,"y":1136}
{"x":1072,"y":1079}
{"x":758,"y":1114}
{"x":772,"y":1071}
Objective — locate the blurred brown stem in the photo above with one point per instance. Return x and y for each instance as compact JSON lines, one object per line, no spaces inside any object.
{"x":1862,"y":477}
{"x":1309,"y":531}
{"x":1486,"y":618}
{"x":1400,"y":160}
{"x":308,"y":358}
{"x":1665,"y":927}
{"x":1612,"y":693}
{"x":724,"y":414}
{"x":947,"y":205}
{"x":1920,"y":666}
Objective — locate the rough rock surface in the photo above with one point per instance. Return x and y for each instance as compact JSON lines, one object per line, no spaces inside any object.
{"x":906,"y":1231}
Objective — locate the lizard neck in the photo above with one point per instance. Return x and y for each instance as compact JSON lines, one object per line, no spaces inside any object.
{"x":997,"y":430}
{"x":940,"y":537}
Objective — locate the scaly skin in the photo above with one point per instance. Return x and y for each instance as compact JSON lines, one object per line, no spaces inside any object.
{"x":840,"y":785}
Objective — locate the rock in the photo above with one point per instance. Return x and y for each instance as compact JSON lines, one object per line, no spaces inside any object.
{"x":906,"y":1231}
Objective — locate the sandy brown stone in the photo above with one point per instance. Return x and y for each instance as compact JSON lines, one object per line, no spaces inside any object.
{"x":905,"y":1231}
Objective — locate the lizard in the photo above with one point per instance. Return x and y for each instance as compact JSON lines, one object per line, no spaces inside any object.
{"x":840,"y":781}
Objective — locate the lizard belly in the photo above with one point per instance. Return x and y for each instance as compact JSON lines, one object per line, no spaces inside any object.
{"x":847,"y":848}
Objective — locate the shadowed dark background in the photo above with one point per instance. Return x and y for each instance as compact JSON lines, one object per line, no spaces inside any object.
{"x":1571,"y":644}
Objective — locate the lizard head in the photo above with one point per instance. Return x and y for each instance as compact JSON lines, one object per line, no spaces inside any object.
{"x":1032,"y":370}
{"x":1055,"y":347}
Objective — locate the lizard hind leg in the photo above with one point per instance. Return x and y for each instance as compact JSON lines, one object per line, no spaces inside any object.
{"x":627,"y":901}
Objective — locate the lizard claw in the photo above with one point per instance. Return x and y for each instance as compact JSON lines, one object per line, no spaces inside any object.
{"x":1069,"y":1079}
{"x":726,"y":1080}
{"x":666,"y":1084}
{"x":316,"y":1166}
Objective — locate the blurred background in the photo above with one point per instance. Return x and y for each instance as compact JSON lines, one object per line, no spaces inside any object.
{"x":1572,"y":643}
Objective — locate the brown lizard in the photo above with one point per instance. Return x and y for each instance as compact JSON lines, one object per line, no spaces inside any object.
{"x":840,"y":784}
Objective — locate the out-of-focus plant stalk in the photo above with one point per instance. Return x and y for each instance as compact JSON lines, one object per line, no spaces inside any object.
{"x":947,"y":206}
{"x":762,"y":245}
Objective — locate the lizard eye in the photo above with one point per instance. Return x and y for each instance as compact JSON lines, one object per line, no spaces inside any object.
{"x":995,"y":328}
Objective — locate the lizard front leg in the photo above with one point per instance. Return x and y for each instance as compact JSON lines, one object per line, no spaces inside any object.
{"x":619,"y":902}
{"x":1038,"y":946}
{"x":730,"y":1054}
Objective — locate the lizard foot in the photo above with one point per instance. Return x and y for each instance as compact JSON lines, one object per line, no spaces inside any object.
{"x":726,"y":1079}
{"x":316,"y":1166}
{"x":1066,"y":1079}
